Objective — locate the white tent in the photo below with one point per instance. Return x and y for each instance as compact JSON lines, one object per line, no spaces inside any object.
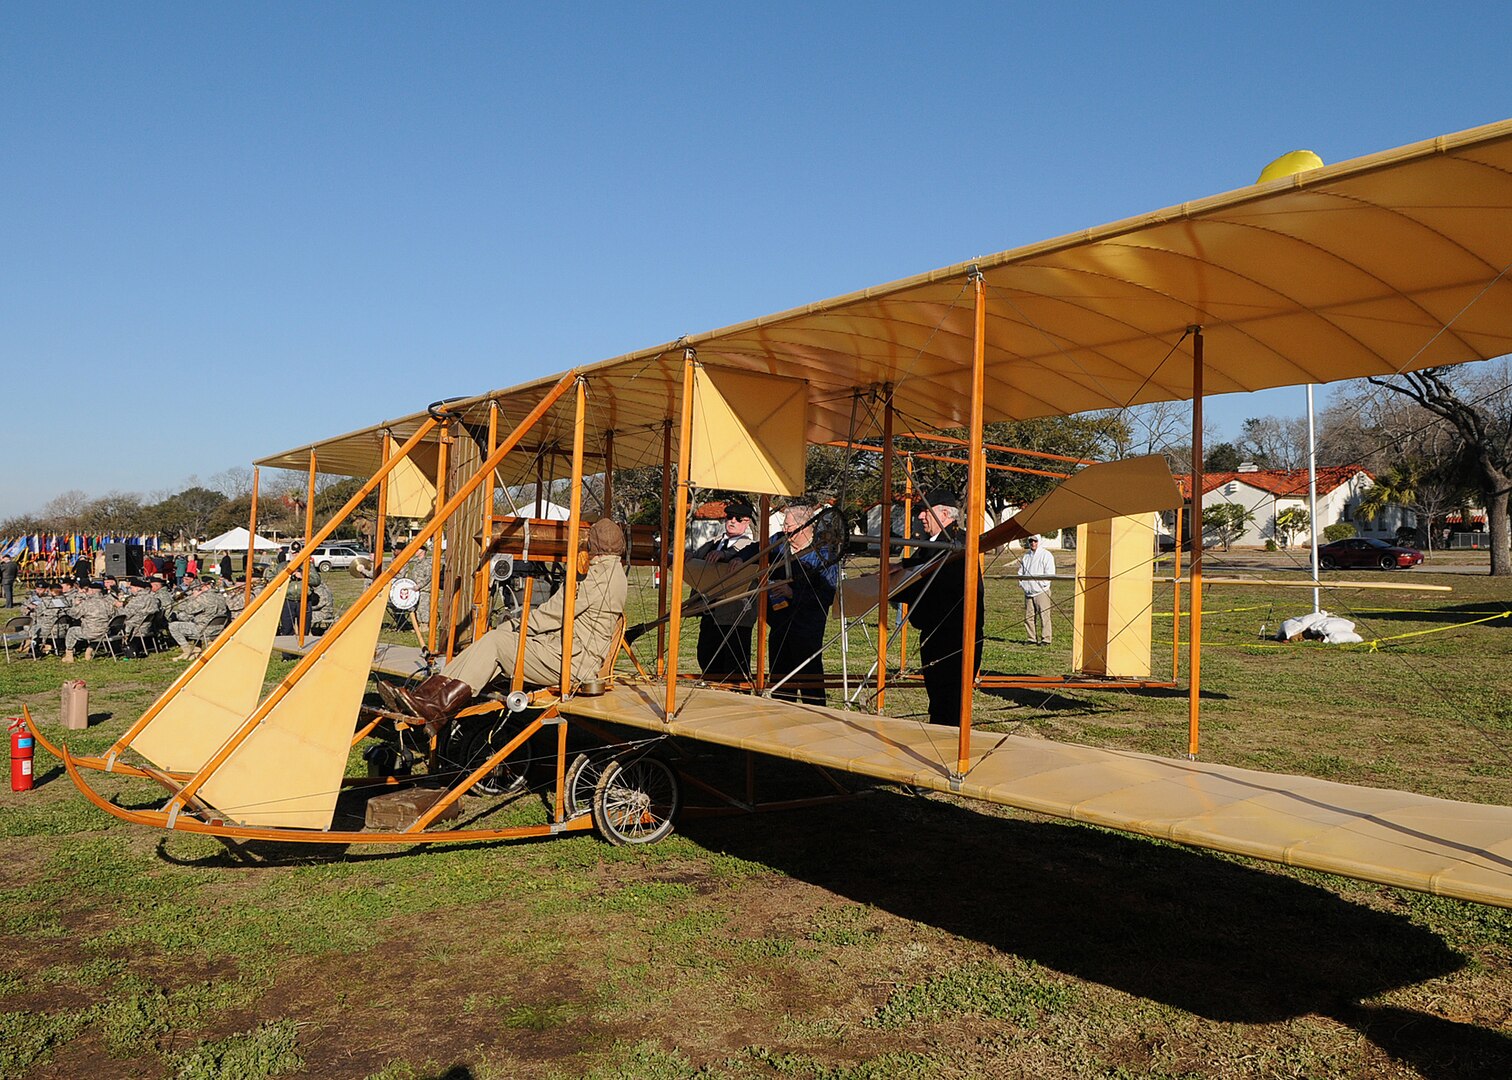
{"x":236,"y":540}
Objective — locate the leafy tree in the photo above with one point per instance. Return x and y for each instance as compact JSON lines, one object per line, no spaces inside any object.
{"x":186,"y":514}
{"x":1222,"y":458}
{"x":1429,"y":492}
{"x":1292,"y":520}
{"x":1227,"y":521}
{"x":1339,"y":530}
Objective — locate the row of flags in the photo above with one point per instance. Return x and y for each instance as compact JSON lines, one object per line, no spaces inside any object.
{"x":40,"y":546}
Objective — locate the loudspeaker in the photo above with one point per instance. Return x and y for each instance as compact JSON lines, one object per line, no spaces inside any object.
{"x":123,"y":560}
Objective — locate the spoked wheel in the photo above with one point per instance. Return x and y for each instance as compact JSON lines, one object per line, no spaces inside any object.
{"x":582,"y":777}
{"x":1328,"y":563}
{"x":635,"y":800}
{"x":467,"y":747}
{"x":1388,"y":562}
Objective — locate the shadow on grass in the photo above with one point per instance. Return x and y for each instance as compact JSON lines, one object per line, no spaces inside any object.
{"x":1452,"y":614}
{"x":1195,"y":931}
{"x":1045,"y":697}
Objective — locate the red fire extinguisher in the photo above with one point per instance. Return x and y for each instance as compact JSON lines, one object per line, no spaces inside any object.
{"x":21,"y":755}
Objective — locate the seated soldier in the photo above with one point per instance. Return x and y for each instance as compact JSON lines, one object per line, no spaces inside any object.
{"x":49,"y":612}
{"x":93,"y":613}
{"x":599,"y":605}
{"x":141,"y":612}
{"x":193,"y":616}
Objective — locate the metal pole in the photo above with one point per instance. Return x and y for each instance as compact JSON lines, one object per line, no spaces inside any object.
{"x":680,"y":526}
{"x":438,"y":552}
{"x":1194,"y":680}
{"x":1176,"y":600}
{"x":908,"y":493}
{"x":251,"y":539}
{"x":574,"y":530}
{"x":764,"y":508}
{"x":664,"y":547}
{"x":608,"y":474}
{"x":976,"y":496}
{"x":304,"y":579}
{"x":884,"y":528}
{"x":380,"y":541}
{"x":483,"y":586}
{"x":1312,"y":491}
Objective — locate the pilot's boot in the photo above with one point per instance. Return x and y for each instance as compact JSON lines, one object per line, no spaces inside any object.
{"x":436,"y":699}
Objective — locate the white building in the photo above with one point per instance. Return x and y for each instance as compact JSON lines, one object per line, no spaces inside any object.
{"x":1267,"y":493}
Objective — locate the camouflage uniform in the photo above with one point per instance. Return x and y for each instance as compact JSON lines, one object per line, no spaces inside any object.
{"x":194,"y":617}
{"x":49,"y":619}
{"x":141,"y":610}
{"x":418,"y":570}
{"x":322,"y":609}
{"x":94,"y":612}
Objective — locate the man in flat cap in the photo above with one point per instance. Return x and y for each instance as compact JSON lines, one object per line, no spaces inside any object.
{"x":1036,"y":565}
{"x":936,"y":607}
{"x":724,"y":634}
{"x":597,"y":610}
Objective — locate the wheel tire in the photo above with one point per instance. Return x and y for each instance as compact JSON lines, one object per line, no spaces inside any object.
{"x":325,"y":567}
{"x":578,"y":785}
{"x":467,"y":748}
{"x":1388,"y":562}
{"x":1328,"y":563}
{"x":636,"y":800}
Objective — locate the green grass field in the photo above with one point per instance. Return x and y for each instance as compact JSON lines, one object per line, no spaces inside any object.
{"x":887,"y":936}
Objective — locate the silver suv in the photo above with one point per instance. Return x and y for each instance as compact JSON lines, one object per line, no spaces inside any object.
{"x":335,"y":556}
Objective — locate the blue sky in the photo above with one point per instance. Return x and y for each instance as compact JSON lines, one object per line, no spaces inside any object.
{"x":229,"y":229}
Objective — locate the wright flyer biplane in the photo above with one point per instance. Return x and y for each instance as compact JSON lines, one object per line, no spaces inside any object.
{"x":1377,"y":266}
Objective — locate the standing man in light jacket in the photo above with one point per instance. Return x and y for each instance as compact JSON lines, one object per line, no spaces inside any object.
{"x":1037,"y":563}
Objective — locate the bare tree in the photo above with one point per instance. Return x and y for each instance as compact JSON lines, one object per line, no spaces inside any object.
{"x":1476,"y":403}
{"x":1275,"y":442}
{"x":233,"y":483}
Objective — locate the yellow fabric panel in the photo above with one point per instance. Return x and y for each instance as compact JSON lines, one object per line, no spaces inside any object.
{"x":215,"y":701}
{"x":748,"y":432}
{"x":1114,"y":597}
{"x":1114,"y":489}
{"x":288,"y":772}
{"x":1448,"y":848}
{"x":411,"y":492}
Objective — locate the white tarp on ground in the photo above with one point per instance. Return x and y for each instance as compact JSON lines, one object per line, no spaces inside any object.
{"x":236,"y":540}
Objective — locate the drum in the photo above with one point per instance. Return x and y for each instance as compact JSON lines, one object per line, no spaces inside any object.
{"x":404,"y":595}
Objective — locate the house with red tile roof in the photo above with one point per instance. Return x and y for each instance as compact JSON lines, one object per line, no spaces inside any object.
{"x":1266,"y":493}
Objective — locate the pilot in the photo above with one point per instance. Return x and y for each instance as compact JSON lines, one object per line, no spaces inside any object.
{"x":937,"y":610}
{"x":597,"y":610}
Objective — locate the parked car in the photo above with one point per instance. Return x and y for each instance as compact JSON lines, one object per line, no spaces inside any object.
{"x":1365,"y":551}
{"x":336,"y":556}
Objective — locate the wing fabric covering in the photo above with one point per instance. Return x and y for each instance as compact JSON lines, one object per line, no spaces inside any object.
{"x":1387,"y":263}
{"x":288,"y":771}
{"x":1432,"y":845}
{"x":216,"y":700}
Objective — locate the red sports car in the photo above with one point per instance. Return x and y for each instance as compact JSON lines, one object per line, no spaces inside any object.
{"x":1363,"y":551}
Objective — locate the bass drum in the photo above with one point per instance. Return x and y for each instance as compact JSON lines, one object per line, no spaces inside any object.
{"x":404,"y":594}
